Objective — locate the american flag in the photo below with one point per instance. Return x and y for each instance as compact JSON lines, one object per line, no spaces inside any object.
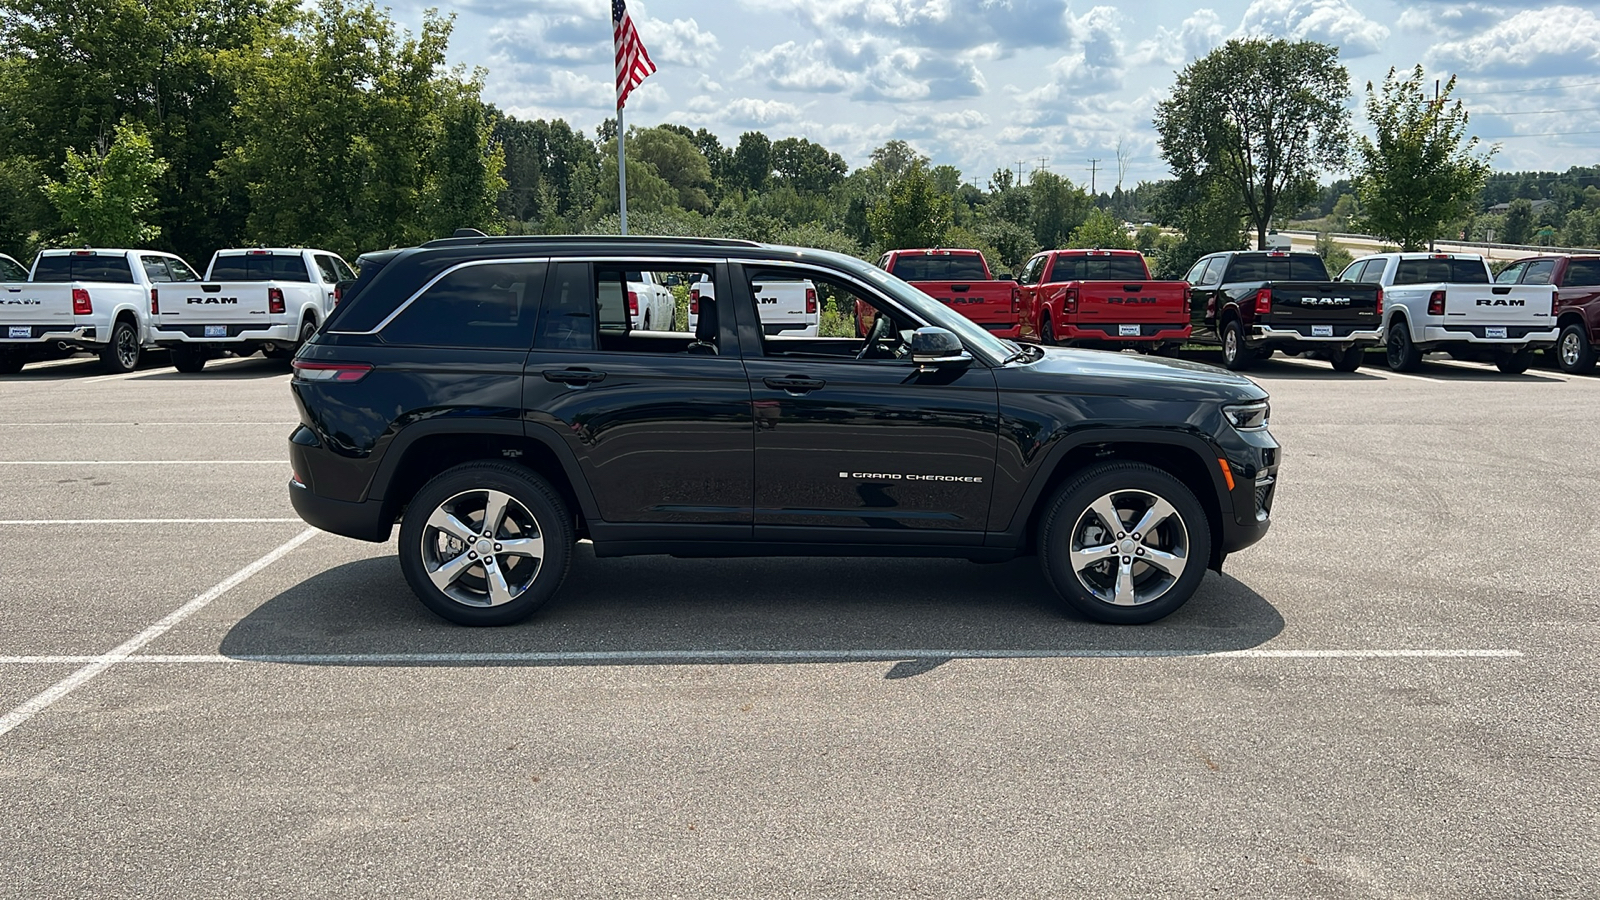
{"x":633,"y":61}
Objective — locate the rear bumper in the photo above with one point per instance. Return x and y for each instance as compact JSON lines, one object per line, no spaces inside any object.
{"x":1149,"y":332}
{"x":1517,"y":336}
{"x":361,"y":520}
{"x":168,"y":335}
{"x":1303,"y":334}
{"x":44,"y":334}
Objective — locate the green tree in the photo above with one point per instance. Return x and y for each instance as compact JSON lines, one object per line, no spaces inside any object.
{"x":1518,"y":227}
{"x":1421,"y":172}
{"x":1335,"y":258}
{"x":1101,"y":231}
{"x":1057,"y":207}
{"x":808,"y":168}
{"x":677,"y":161}
{"x":105,"y":196}
{"x":1345,"y":211}
{"x":464,"y":164}
{"x":648,"y":192}
{"x":912,"y":213}
{"x":1260,"y":117}
{"x":752,"y":161}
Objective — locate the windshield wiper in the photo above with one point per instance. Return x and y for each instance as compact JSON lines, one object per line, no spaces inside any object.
{"x":1024,"y":352}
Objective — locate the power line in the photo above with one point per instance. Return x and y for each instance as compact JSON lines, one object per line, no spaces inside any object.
{"x":1540,"y":112}
{"x":1507,"y":137}
{"x":1537,"y":90}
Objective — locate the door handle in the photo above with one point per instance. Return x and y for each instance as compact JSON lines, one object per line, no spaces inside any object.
{"x":794,"y":384}
{"x":574,"y":376}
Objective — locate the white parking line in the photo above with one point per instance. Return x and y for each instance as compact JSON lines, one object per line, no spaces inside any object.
{"x":144,"y":462}
{"x":134,"y":424}
{"x":144,"y":521}
{"x":99,"y":664}
{"x":723,"y":655}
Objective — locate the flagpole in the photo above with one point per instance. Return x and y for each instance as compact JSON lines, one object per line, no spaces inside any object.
{"x":622,"y":169}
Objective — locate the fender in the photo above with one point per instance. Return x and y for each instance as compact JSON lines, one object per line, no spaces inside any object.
{"x":456,"y":425}
{"x":1062,"y":444}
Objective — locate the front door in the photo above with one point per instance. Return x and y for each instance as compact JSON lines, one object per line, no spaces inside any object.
{"x":659,"y":421}
{"x":854,"y":443}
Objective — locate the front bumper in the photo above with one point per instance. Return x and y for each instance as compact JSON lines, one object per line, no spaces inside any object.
{"x":1253,"y":458}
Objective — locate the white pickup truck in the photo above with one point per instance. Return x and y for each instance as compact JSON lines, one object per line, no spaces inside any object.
{"x":251,"y":299}
{"x":786,"y":306}
{"x":95,"y":300}
{"x":1447,"y":302}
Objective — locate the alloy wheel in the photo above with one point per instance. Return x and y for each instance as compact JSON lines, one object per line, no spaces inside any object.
{"x":1129,"y":548}
{"x":1571,"y":349}
{"x":127,"y":347}
{"x":482,"y":548}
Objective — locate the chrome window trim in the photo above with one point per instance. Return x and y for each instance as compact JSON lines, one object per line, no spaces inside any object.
{"x":524,"y":259}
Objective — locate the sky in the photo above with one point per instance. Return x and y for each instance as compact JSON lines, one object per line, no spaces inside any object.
{"x":990,"y":84}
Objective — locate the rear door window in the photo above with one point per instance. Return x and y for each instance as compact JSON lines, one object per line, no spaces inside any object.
{"x":1353,"y":271}
{"x":488,"y":306}
{"x":1510,"y":274}
{"x":1539,"y":272}
{"x":260,"y":267}
{"x":1214,"y":270}
{"x":325,"y":268}
{"x":155,"y":269}
{"x":1373,"y":273}
{"x":1582,"y":273}
{"x":84,"y":267}
{"x":10,"y":271}
{"x":180,"y":270}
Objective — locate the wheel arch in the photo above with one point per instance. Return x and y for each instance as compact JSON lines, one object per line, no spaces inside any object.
{"x":1572,"y":316}
{"x":1186,"y":457}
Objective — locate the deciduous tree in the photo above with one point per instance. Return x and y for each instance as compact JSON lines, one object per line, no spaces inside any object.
{"x":105,"y":196}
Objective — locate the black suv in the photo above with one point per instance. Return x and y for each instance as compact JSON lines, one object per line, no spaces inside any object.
{"x":494,"y":397}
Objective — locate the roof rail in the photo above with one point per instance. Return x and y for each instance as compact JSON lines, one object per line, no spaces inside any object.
{"x":467,"y":241}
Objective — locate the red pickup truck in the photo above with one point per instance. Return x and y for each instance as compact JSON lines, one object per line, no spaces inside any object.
{"x":959,"y":279}
{"x":1577,"y":308}
{"x":1103,"y":298}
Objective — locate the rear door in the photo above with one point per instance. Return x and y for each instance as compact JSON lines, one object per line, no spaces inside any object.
{"x":1205,"y":281}
{"x":659,"y":422}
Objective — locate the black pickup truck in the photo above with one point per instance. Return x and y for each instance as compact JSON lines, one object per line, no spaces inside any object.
{"x":1254,"y":302}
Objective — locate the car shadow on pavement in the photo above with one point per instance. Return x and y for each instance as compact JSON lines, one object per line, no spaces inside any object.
{"x":248,"y":367}
{"x":663,"y":611}
{"x":1282,"y":367}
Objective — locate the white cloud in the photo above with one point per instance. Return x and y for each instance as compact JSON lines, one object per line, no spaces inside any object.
{"x":1557,"y":40}
{"x":942,"y":24}
{"x":1198,"y":35}
{"x":866,"y":70}
{"x":1330,"y":21}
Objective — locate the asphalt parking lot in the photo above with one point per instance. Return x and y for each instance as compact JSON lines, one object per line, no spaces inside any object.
{"x":1394,"y":695}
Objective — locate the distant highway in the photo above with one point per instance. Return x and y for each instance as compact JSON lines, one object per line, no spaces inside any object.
{"x":1306,"y":240}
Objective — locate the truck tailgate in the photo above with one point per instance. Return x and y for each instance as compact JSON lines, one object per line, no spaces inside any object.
{"x":980,"y":301}
{"x":39,"y":307}
{"x":1133,"y":301}
{"x":191,"y":305}
{"x":1344,"y":305}
{"x":782,"y":305}
{"x":1498,"y":304}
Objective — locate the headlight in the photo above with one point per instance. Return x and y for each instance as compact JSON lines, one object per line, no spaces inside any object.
{"x":1248,"y":416}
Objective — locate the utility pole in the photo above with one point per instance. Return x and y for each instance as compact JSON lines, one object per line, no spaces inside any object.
{"x":1044,"y":164}
{"x":1094,"y":168}
{"x":1019,"y":172}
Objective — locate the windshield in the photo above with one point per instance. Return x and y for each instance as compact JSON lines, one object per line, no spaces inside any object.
{"x":990,"y":348}
{"x":948,"y":267}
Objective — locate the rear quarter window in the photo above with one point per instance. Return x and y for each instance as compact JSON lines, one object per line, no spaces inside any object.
{"x":489,"y":306}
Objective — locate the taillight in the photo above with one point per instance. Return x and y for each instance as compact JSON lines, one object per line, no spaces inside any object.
{"x":155,"y":302}
{"x":1069,"y":301}
{"x":1379,"y":312}
{"x":275,"y":300}
{"x":1555,"y":298}
{"x":338,"y":294}
{"x":1016,"y":301}
{"x":694,"y":301}
{"x":811,"y":301}
{"x":633,"y":304}
{"x":1435,"y":303}
{"x":305,"y":370}
{"x":1263,"y":301}
{"x":81,"y":305}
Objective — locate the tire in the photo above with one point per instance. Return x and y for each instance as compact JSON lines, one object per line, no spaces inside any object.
{"x":645,"y":325}
{"x":1235,"y":355}
{"x":450,"y":509}
{"x":1515,"y":363}
{"x":121,"y":353}
{"x":1047,"y":333}
{"x":1092,"y":583}
{"x":1574,"y":354}
{"x":12,"y":363}
{"x":1348,"y":360}
{"x":1398,"y":350}
{"x":185,"y":359}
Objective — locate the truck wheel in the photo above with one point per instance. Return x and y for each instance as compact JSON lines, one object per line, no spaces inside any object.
{"x":121,"y":354}
{"x":1573,"y":352}
{"x":1349,"y":359}
{"x":1124,"y":543}
{"x":1398,"y":351}
{"x":485,"y":543}
{"x":1235,"y":355}
{"x":1047,"y":333}
{"x":1515,"y":363}
{"x":187,"y":359}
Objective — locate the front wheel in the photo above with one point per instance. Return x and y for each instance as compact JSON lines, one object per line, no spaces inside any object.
{"x":485,"y":543}
{"x":1235,"y":355}
{"x":1125,"y":543}
{"x":1574,"y":353}
{"x":121,"y":354}
{"x":1348,"y":359}
{"x":1515,"y":363}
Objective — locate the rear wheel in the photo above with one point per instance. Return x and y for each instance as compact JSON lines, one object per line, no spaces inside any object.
{"x":1574,"y":353}
{"x":1398,"y":350}
{"x":1125,"y":543}
{"x":121,"y":354}
{"x":1047,"y":332}
{"x":1349,"y":359}
{"x":188,"y":359}
{"x":1515,"y":363}
{"x":485,"y":543}
{"x":1235,"y":355}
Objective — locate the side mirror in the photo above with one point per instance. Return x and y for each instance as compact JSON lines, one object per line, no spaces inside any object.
{"x":340,"y":289}
{"x":1005,"y":276}
{"x":932,"y":348}
{"x":673,"y":281}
